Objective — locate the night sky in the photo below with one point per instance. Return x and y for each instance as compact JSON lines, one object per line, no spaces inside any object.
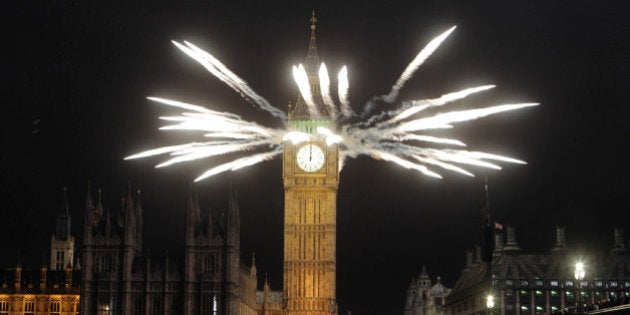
{"x":74,"y":105}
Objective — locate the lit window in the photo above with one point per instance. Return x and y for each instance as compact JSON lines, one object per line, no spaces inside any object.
{"x":54,"y":308}
{"x":103,"y":309}
{"x":599,"y":283}
{"x":29,"y":307}
{"x":4,"y":307}
{"x":569,"y":283}
{"x":613,"y":283}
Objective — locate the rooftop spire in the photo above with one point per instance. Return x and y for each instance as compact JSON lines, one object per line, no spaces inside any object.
{"x":300,"y":110}
{"x":311,"y":57}
{"x":63,"y":219}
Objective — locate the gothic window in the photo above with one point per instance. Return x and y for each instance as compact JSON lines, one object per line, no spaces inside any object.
{"x":29,"y":307}
{"x":59,"y":263}
{"x":138,"y":305}
{"x":157,"y":306}
{"x":55,"y":308}
{"x":208,"y":265}
{"x":106,"y":263}
{"x":175,"y":305}
{"x":4,"y":307}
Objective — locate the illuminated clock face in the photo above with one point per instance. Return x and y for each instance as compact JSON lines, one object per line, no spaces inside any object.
{"x":310,"y":158}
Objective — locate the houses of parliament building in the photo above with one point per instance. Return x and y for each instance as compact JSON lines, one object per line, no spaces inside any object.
{"x":116,"y":276}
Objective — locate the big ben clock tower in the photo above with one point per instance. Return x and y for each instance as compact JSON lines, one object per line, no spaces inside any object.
{"x":310,"y":176}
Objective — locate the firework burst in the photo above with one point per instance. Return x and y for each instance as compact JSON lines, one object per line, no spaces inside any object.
{"x":400,"y":136}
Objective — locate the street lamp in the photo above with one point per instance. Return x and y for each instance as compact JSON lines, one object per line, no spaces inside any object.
{"x":579,"y":276}
{"x":490,"y":303}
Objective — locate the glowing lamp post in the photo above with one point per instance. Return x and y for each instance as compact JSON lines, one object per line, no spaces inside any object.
{"x":579,"y":276}
{"x":490,"y":303}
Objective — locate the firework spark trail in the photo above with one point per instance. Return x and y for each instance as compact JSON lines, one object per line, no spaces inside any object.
{"x":419,"y":105}
{"x":445,"y":119}
{"x":240,"y":163}
{"x":324,"y":87}
{"x":224,"y":74}
{"x":192,"y":153}
{"x":424,"y":138}
{"x":301,"y":78}
{"x":389,"y":136}
{"x":415,"y":64}
{"x":343,"y":87}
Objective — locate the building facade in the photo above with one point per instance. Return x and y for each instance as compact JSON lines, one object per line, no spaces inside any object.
{"x":424,"y":298}
{"x":310,"y":177}
{"x":120,"y":278}
{"x":525,"y":283}
{"x":49,"y":291}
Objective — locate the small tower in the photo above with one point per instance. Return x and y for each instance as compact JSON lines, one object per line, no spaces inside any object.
{"x":487,"y":228}
{"x":62,"y":242}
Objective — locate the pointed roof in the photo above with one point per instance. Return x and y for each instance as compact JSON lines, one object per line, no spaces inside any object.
{"x":138,"y":205}
{"x":312,"y":58}
{"x":311,"y":64}
{"x":193,"y":213}
{"x":89,"y":204}
{"x":233,"y":208}
{"x":62,"y":228}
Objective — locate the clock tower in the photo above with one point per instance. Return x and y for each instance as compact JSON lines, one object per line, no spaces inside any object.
{"x":310,"y":172}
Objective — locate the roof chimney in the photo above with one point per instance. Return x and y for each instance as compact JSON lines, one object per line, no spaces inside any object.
{"x":511,"y":239}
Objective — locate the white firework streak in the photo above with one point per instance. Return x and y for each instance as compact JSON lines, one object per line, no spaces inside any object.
{"x":389,"y":136}
{"x":240,"y":163}
{"x":343,"y":86}
{"x":324,"y":87}
{"x":420,"y":105}
{"x":301,"y":78}
{"x":224,"y":74}
{"x":415,"y":64}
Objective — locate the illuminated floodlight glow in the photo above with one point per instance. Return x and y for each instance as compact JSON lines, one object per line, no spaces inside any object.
{"x":400,"y":135}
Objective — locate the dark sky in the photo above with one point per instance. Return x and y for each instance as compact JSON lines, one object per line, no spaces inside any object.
{"x":74,"y":105}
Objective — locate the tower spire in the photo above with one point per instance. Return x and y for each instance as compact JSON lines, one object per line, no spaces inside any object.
{"x":63,"y":219}
{"x":311,"y":57}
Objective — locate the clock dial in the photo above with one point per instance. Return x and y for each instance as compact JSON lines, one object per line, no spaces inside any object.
{"x":310,"y":158}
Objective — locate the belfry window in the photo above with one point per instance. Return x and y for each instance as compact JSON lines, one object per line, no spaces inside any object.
{"x":59,"y":263}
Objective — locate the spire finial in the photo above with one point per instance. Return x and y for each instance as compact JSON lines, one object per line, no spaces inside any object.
{"x":313,"y":20}
{"x":65,"y":200}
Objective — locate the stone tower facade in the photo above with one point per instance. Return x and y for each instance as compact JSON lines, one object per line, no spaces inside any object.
{"x":62,"y":242}
{"x":119,"y":277}
{"x":310,"y":176}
